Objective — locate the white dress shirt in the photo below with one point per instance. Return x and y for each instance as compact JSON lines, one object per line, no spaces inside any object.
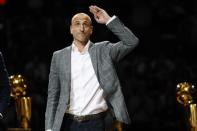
{"x":86,"y":95}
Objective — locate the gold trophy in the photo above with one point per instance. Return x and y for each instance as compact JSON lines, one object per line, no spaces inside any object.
{"x":186,"y":94}
{"x":22,"y":102}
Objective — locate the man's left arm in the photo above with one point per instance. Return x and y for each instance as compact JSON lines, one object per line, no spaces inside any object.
{"x":128,"y":41}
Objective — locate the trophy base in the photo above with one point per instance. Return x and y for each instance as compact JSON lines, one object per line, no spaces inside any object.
{"x":19,"y":129}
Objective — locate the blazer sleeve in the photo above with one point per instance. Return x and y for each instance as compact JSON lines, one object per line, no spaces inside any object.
{"x":53,"y":94}
{"x":128,"y":41}
{"x":4,"y":85}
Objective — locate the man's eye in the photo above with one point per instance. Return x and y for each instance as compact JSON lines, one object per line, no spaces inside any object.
{"x":86,"y":24}
{"x":77,"y":23}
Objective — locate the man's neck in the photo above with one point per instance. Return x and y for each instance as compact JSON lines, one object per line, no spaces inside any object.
{"x":80,"y":45}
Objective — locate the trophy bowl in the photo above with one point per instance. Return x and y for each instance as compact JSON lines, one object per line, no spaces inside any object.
{"x":185,"y":93}
{"x":18,"y":86}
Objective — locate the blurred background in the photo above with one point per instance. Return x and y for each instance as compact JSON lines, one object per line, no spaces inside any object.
{"x":31,"y":30}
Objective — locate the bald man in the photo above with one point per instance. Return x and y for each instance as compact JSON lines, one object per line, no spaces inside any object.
{"x":83,"y":84}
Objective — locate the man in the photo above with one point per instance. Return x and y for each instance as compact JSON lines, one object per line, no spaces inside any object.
{"x":4,"y":86}
{"x":83,"y":84}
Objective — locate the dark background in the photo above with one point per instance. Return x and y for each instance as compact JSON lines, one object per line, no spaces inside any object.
{"x":31,"y":30}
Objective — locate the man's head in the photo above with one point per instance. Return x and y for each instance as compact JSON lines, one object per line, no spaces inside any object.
{"x":81,"y":28}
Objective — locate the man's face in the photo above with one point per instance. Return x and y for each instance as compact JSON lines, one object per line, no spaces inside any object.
{"x":81,"y":27}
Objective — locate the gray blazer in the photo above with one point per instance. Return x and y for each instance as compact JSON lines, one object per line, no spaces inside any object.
{"x":103,"y":56}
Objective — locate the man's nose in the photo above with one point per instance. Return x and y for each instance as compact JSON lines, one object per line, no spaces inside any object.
{"x":81,"y":27}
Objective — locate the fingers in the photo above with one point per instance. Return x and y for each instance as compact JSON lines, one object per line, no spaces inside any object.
{"x":94,"y":9}
{"x":100,"y":14}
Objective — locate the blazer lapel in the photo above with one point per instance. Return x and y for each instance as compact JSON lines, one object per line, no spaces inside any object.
{"x":93,"y":55}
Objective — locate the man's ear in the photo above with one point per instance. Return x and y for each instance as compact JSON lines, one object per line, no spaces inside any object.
{"x":71,"y":29}
{"x":91,"y":29}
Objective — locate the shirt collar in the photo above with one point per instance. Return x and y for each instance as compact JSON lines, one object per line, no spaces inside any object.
{"x":85,"y":49}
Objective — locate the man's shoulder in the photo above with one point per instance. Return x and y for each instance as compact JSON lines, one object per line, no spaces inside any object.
{"x":62,"y":50}
{"x":102,"y":43}
{"x":101,"y":47}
